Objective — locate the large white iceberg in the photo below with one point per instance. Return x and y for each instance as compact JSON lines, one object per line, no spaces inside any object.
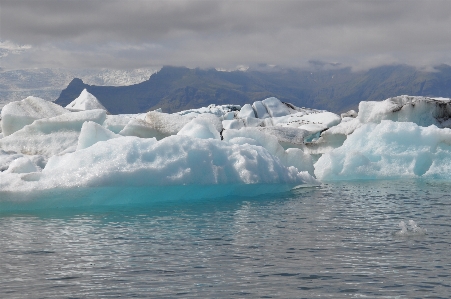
{"x":389,"y":150}
{"x":101,"y":173}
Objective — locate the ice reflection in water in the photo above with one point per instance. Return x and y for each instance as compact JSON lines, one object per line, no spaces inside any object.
{"x":337,"y":241}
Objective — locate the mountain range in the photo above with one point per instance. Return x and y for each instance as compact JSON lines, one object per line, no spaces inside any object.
{"x":47,"y":83}
{"x":336,"y":89}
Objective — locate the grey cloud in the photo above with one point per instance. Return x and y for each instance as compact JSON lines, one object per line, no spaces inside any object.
{"x":139,"y":33}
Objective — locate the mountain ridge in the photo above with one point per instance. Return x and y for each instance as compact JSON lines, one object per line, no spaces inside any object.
{"x":338,"y":90}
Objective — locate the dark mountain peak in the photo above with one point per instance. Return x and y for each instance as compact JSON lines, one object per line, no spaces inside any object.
{"x":76,"y":81}
{"x":71,"y":92}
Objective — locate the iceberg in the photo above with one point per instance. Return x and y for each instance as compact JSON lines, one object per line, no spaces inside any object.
{"x":200,"y":128}
{"x":51,"y":136}
{"x":51,"y":157}
{"x":85,"y":101}
{"x":91,"y":133}
{"x":253,"y":136}
{"x":246,"y":112}
{"x":260,"y":110}
{"x":16,"y":115}
{"x":22,"y":165}
{"x":423,"y":111}
{"x":275,"y":107}
{"x":389,"y":150}
{"x":132,"y":163}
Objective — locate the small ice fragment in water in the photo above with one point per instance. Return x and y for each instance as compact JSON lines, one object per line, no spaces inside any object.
{"x":403,"y":227}
{"x":414,"y":229}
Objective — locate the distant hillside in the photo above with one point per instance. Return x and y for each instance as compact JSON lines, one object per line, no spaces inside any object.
{"x":47,"y":83}
{"x":178,"y":88}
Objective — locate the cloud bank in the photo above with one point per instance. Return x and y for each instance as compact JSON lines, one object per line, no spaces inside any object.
{"x":223,"y":34}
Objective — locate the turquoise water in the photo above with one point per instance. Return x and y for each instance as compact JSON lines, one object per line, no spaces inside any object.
{"x":338,"y":240}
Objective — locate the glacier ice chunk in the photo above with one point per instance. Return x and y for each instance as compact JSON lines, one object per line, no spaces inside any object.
{"x":16,"y":115}
{"x":140,"y":128}
{"x":291,"y":157}
{"x":246,"y":111}
{"x":51,"y":136}
{"x":234,"y":124}
{"x":389,"y":150}
{"x":85,"y":101}
{"x":22,"y":165}
{"x":116,"y":123}
{"x":200,"y":128}
{"x":275,"y":107}
{"x":260,"y":110}
{"x":423,"y":111}
{"x":175,"y":160}
{"x":91,"y":133}
{"x":165,"y":125}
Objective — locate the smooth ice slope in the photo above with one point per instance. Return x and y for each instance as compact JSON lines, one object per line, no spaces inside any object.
{"x":22,"y":165}
{"x":91,"y":133}
{"x":246,"y":111}
{"x":200,"y":128}
{"x":85,"y":101}
{"x":51,"y":136}
{"x":275,"y":107}
{"x":389,"y":150}
{"x":17,"y":115}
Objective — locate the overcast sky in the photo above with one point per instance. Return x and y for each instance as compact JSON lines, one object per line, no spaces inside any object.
{"x":129,"y":34}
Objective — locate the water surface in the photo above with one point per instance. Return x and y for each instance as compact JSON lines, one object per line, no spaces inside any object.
{"x":335,"y":241}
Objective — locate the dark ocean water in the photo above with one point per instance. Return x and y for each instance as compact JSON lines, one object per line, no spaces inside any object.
{"x":340,"y":240}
